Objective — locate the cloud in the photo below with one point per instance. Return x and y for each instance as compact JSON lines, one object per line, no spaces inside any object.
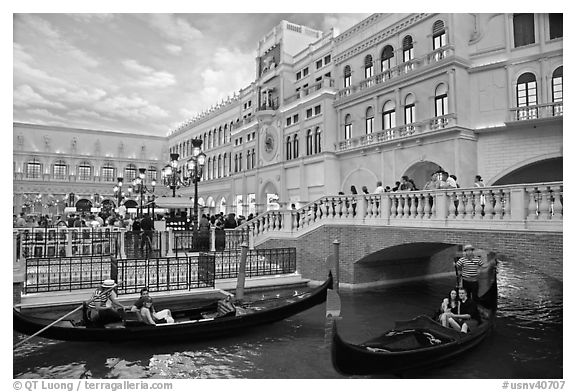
{"x":26,"y":97}
{"x":174,"y":27}
{"x":147,"y":76}
{"x":89,"y":18}
{"x":173,"y":49}
{"x":130,"y":108}
{"x":342,"y":22}
{"x":42,"y":115}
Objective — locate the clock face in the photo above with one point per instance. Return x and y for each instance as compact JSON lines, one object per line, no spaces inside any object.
{"x":269,"y":143}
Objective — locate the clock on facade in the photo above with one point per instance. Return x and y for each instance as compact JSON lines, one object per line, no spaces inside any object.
{"x":269,"y":143}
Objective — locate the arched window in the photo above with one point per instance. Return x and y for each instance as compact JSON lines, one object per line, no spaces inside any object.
{"x":438,"y":35}
{"x":557,"y":85}
{"x":288,"y":148}
{"x":129,"y":172}
{"x":368,"y":67}
{"x":225,"y":166}
{"x":389,"y":115}
{"x":226,"y":133}
{"x":214,"y":138}
{"x":317,"y":141}
{"x":309,"y":142}
{"x":296,"y":146}
{"x":60,"y":170}
{"x":248,"y":160}
{"x":441,"y":100}
{"x":239,"y":161}
{"x":253,"y":158}
{"x":33,"y":168}
{"x":219,"y":166}
{"x":235,"y":163}
{"x":407,"y":49}
{"x":526,"y":93}
{"x":409,"y":109}
{"x":85,"y":171}
{"x":151,"y":174}
{"x":348,"y":127}
{"x":369,"y":120}
{"x":386,"y":58}
{"x":108,"y":172}
{"x":347,"y":76}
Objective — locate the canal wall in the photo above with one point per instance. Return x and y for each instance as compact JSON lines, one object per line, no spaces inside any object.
{"x":538,"y":250}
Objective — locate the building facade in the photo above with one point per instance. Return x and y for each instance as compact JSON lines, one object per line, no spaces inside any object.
{"x":397,"y":94}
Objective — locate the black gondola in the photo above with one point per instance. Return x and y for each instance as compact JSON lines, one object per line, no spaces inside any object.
{"x":420,"y":342}
{"x":189,"y":324}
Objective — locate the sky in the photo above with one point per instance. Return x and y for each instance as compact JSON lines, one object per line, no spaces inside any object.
{"x":140,"y":73}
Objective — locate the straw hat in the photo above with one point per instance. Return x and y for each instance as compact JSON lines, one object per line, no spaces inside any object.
{"x":468,"y":246}
{"x":108,"y":283}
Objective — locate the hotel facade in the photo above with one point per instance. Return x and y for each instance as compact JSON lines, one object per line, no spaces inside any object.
{"x":396,"y":94}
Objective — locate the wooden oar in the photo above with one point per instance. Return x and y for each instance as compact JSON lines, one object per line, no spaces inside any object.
{"x":57,"y":321}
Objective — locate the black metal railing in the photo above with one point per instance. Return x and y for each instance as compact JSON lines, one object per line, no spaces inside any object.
{"x":166,"y":273}
{"x":259,"y":262}
{"x":143,"y":244}
{"x":57,"y":242}
{"x":65,"y":273}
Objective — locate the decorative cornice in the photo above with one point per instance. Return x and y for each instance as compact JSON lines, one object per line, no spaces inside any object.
{"x":379,"y":37}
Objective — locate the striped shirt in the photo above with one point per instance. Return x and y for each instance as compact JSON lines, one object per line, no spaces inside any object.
{"x":99,"y":296}
{"x":469,"y":267}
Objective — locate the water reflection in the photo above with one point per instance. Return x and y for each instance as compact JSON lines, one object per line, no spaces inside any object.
{"x":527,"y":342}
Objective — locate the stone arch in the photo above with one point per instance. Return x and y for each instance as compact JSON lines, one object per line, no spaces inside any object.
{"x":359,"y":177}
{"x":83,"y":205}
{"x":543,"y":168}
{"x":267,"y":188}
{"x":420,"y":172}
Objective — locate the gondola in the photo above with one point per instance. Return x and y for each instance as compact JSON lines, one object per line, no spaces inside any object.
{"x":190,"y":324}
{"x":418,"y":343}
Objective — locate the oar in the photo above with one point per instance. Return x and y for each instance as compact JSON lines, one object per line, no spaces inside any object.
{"x":57,"y":321}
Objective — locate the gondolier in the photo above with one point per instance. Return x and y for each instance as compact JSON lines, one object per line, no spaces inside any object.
{"x":467,"y":267}
{"x":103,"y":305}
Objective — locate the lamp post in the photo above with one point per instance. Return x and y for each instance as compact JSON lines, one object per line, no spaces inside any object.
{"x":118,"y":191}
{"x":139,"y":186}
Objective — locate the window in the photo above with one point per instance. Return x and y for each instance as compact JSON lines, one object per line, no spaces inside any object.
{"x":438,"y":35}
{"x":240,"y":162}
{"x":296,"y":146}
{"x":85,"y":171}
{"x":317,"y":141}
{"x":235,"y":163}
{"x":555,"y":21}
{"x":298,"y":75}
{"x":151,"y":174}
{"x":368,"y":67}
{"x":441,"y":101}
{"x":288,"y":121}
{"x":386,"y":58}
{"x":369,"y":120}
{"x":308,"y":113}
{"x":309,"y":142}
{"x":60,"y":170}
{"x":305,"y":72}
{"x":557,"y":85}
{"x":248,"y":160}
{"x":253,"y":158}
{"x":225,"y":167}
{"x":129,"y":172}
{"x":288,"y":148}
{"x":347,"y":76}
{"x":526,"y":95}
{"x":347,"y":127}
{"x":389,"y":115}
{"x":407,"y":49}
{"x":327,"y":59}
{"x":108,"y":172}
{"x":295,"y":118}
{"x":319,"y":64}
{"x":219,"y":166}
{"x":33,"y":169}
{"x":317,"y":110}
{"x":523,"y":29}
{"x":409,"y":109}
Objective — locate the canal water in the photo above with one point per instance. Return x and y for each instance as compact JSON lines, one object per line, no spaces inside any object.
{"x":526,"y":344}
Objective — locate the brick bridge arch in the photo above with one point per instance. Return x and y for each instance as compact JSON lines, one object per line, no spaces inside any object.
{"x":371,"y":255}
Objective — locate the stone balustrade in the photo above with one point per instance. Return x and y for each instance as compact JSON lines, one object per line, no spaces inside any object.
{"x":521,"y":207}
{"x":533,"y":112}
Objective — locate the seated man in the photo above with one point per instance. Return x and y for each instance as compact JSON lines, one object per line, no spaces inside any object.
{"x":149,"y":314}
{"x":226,"y":307}
{"x":468,"y":314}
{"x":104,"y":306}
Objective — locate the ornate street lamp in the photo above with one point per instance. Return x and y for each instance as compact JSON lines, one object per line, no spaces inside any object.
{"x":118,"y":192}
{"x":174,"y":177}
{"x":139,"y":186}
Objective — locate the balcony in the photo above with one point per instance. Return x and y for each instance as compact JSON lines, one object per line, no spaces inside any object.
{"x":324,"y":84}
{"x":243,"y":123}
{"x":533,"y":112}
{"x":397,"y":71}
{"x":265,"y":112}
{"x":398,"y":133}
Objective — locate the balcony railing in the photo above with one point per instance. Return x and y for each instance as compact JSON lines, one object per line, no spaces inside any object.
{"x":325,"y":83}
{"x":533,"y":112}
{"x":399,"y":70}
{"x":270,"y":105}
{"x":398,"y":132}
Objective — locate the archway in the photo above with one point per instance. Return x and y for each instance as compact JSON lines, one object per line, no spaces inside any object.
{"x":269,"y":197}
{"x":83,"y":205}
{"x":421,"y":172}
{"x":546,"y":170}
{"x":222,"y":205}
{"x":359,"y":178}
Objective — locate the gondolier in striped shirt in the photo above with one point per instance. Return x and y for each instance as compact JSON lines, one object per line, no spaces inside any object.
{"x":467,"y":267}
{"x":104,"y":303}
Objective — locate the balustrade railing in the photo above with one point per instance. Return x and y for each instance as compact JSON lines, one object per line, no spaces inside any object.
{"x":259,"y":262}
{"x":532,"y":112}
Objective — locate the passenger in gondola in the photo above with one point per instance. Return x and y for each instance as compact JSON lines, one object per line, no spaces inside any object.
{"x":468,"y":314}
{"x":104,"y":306}
{"x":148,"y":313}
{"x":449,"y":307}
{"x":226,"y":307}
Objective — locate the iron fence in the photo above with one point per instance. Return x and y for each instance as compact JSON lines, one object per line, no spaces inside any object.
{"x":166,"y":273}
{"x":65,"y":273}
{"x":259,"y":262}
{"x":143,"y":244}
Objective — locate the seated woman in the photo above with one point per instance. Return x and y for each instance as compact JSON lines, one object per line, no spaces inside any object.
{"x":226,"y":307}
{"x":449,"y":307}
{"x":139,"y":305}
